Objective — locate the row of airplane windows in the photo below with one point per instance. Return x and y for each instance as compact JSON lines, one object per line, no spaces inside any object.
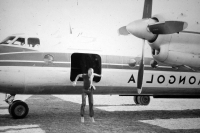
{"x":31,"y":42}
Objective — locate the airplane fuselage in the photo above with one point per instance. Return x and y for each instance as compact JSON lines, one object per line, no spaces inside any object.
{"x":25,"y":70}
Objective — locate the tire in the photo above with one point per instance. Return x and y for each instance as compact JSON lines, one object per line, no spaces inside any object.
{"x":143,"y":100}
{"x":9,"y":108}
{"x":11,"y":104}
{"x":135,"y":99}
{"x":18,"y":110}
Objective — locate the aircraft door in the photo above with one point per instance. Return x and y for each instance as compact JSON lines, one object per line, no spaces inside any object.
{"x":81,"y":62}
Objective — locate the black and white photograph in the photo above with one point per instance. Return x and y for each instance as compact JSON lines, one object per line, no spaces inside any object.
{"x":99,"y":66}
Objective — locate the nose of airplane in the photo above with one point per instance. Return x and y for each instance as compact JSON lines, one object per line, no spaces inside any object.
{"x":139,"y":28}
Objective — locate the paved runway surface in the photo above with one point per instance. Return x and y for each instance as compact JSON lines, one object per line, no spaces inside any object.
{"x":61,"y":113}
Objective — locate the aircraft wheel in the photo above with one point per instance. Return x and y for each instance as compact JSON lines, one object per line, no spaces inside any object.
{"x":143,"y":100}
{"x":11,"y":104}
{"x":135,"y":99}
{"x":9,"y":108}
{"x":18,"y":109}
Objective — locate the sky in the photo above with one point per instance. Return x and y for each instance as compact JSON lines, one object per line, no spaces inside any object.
{"x":96,"y":20}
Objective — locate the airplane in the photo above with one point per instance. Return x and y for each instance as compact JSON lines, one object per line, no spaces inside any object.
{"x":171,"y":72}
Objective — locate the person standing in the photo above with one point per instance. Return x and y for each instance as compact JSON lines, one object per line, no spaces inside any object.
{"x":88,"y":88}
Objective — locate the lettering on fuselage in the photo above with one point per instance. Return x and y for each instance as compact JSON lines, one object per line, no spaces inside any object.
{"x":131,"y":79}
{"x":160,"y":79}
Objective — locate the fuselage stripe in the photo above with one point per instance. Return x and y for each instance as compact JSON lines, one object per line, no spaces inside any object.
{"x":33,"y":61}
{"x":62,"y":64}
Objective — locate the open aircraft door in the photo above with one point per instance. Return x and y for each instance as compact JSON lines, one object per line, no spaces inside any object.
{"x":81,"y":62}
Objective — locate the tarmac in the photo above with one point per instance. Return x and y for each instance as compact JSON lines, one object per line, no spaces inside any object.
{"x":61,"y":114}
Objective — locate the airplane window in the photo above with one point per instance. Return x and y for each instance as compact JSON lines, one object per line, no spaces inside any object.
{"x":7,"y":40}
{"x":19,"y":41}
{"x":33,"y":42}
{"x":81,"y":62}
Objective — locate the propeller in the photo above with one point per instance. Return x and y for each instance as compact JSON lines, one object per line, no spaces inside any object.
{"x":167,"y":27}
{"x":146,"y":14}
{"x":123,"y":31}
{"x":148,"y":29}
{"x":147,"y":10}
{"x":141,"y":71}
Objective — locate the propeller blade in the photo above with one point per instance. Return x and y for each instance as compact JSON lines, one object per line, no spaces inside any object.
{"x":141,"y":71}
{"x":123,"y":31}
{"x":147,"y":9}
{"x":167,"y":27}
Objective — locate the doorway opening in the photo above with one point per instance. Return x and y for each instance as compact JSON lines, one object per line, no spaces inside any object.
{"x":81,"y":62}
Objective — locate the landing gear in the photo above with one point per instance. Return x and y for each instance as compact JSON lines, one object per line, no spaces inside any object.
{"x":17,"y":109}
{"x":135,"y":99}
{"x":9,"y":98}
{"x":142,"y":100}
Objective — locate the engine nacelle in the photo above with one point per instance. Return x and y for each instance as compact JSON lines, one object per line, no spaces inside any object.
{"x":177,"y":49}
{"x":161,"y":54}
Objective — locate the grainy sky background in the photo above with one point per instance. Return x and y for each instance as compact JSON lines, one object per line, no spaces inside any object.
{"x":97,"y":19}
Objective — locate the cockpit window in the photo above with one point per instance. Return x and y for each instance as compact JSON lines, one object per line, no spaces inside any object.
{"x":7,"y":40}
{"x":19,"y":41}
{"x":33,"y":42}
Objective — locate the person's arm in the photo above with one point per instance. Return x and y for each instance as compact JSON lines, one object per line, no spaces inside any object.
{"x":97,"y":75}
{"x":76,"y":79}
